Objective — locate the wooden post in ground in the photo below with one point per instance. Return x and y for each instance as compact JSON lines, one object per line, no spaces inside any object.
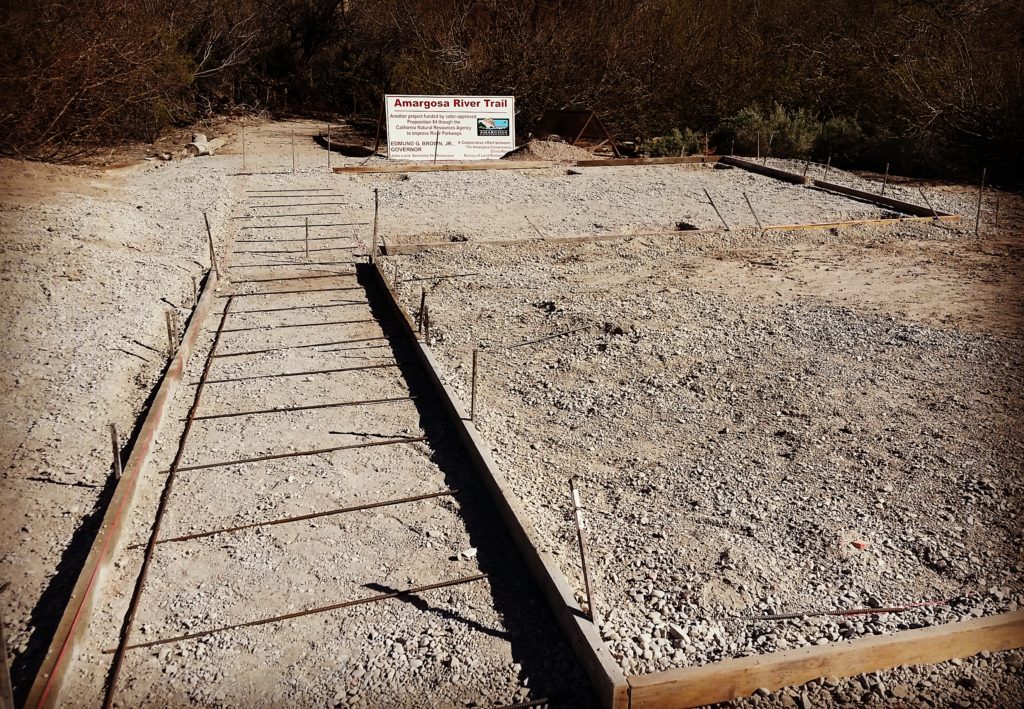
{"x":885,"y":180}
{"x":115,"y":443}
{"x":472,"y":390}
{"x":376,"y":209}
{"x":981,"y":193}
{"x":578,"y":516}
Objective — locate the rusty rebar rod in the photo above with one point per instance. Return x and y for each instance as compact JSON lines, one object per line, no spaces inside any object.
{"x":756,"y":220}
{"x":885,"y":180}
{"x":299,"y":204}
{"x":423,"y":305}
{"x":115,"y":444}
{"x":303,"y":307}
{"x":578,"y":516}
{"x":713,"y":206}
{"x":311,"y":611}
{"x":981,"y":193}
{"x":291,"y":292}
{"x":298,"y":251}
{"x":296,"y":278}
{"x":282,"y":375}
{"x":308,"y":516}
{"x":214,"y":266}
{"x":292,"y":264}
{"x":302,"y":454}
{"x":165,"y":495}
{"x":298,"y":347}
{"x":472,"y":389}
{"x":306,"y":407}
{"x":548,"y":337}
{"x":299,"y":226}
{"x":376,"y":210}
{"x":301,"y":324}
{"x":285,"y":241}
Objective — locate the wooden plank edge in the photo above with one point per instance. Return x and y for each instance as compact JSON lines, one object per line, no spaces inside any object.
{"x":775,"y":172}
{"x":881,"y":200}
{"x":606,"y":676}
{"x":731,"y":679}
{"x":60,"y":655}
{"x":619,"y":162}
{"x":449,"y":167}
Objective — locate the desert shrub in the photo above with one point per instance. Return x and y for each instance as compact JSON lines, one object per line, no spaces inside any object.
{"x":677,"y":143}
{"x":775,"y":132}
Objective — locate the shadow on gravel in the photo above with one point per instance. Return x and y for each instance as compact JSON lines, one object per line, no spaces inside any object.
{"x":537,"y":642}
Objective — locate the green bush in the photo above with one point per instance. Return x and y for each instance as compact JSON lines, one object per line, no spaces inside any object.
{"x":840,"y":138}
{"x":778,"y":132}
{"x":675,"y":144}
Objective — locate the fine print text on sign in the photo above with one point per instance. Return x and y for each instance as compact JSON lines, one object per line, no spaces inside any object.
{"x":450,"y":127}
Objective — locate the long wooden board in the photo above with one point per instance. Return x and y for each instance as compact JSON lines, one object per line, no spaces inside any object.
{"x":45,"y":691}
{"x":618,"y":162}
{"x":775,"y":172}
{"x":897,"y":204}
{"x":607,"y":678}
{"x":731,"y":679}
{"x":449,"y":167}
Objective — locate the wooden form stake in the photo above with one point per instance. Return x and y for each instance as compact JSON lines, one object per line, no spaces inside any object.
{"x":115,"y":443}
{"x":712,"y":203}
{"x":376,"y":209}
{"x":423,"y":305}
{"x":981,"y":193}
{"x":756,"y":220}
{"x":472,"y":390}
{"x":578,"y":516}
{"x":885,"y":180}
{"x":213,"y":252}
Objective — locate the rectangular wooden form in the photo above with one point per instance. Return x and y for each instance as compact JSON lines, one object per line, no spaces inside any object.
{"x":775,"y":172}
{"x":607,"y":678}
{"x":45,"y":690}
{"x":897,"y":204}
{"x":731,"y":679}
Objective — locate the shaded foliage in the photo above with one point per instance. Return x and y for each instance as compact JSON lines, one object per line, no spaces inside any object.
{"x":925,"y":84}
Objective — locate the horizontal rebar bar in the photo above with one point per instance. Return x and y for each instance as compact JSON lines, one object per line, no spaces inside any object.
{"x":292,"y":264}
{"x":300,"y":454}
{"x":302,"y":307}
{"x":300,"y":324}
{"x":297,"y":347}
{"x":294,"y":189}
{"x":296,"y":278}
{"x":285,"y":216}
{"x":298,"y":204}
{"x":311,"y":611}
{"x":306,"y":407}
{"x":290,"y":292}
{"x":304,"y":517}
{"x":439,"y":278}
{"x":302,"y":226}
{"x":299,"y":251}
{"x":282,"y":241}
{"x":282,"y":375}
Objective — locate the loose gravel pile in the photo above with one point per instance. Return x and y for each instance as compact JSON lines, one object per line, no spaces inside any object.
{"x":555,"y":150}
{"x":743,"y":455}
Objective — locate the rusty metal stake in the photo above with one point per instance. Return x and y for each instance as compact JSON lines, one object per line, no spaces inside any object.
{"x":472,"y":390}
{"x":981,"y":193}
{"x":243,"y":148}
{"x":213,"y":252}
{"x":293,"y":150}
{"x":115,"y":443}
{"x":828,"y":166}
{"x":885,"y":180}
{"x":171,"y":347}
{"x":195,"y":292}
{"x":426,"y":324}
{"x":394,"y":283}
{"x":935,"y":215}
{"x":307,"y":238}
{"x":423,"y":304}
{"x":996,"y":224}
{"x":376,"y":209}
{"x":807,"y":166}
{"x":328,"y":147}
{"x":712,"y":203}
{"x":758,"y":221}
{"x":578,"y":516}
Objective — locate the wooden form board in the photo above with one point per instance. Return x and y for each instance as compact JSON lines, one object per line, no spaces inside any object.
{"x":607,"y":678}
{"x":897,"y":204}
{"x":731,"y":679}
{"x":752,"y":166}
{"x":619,"y":162}
{"x":45,"y":690}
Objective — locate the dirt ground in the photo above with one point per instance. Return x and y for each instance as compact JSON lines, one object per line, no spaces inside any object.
{"x":741,"y":407}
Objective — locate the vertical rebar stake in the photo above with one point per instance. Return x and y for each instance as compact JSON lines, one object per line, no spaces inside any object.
{"x":423,"y":304}
{"x":376,"y":209}
{"x":472,"y":391}
{"x":307,"y":238}
{"x":426,"y":324}
{"x":885,"y":180}
{"x":328,"y":147}
{"x":996,"y":220}
{"x":394,"y":282}
{"x":115,"y":443}
{"x":195,"y":292}
{"x":828,"y":166}
{"x":807,"y":166}
{"x":712,"y":203}
{"x":758,"y":221}
{"x":578,"y":516}
{"x":293,"y":150}
{"x":981,"y":193}
{"x":243,"y":148}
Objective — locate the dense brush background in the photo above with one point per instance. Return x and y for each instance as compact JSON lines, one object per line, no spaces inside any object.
{"x":933,"y":86}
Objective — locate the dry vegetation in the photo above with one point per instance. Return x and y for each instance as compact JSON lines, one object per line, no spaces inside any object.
{"x":914,"y":82}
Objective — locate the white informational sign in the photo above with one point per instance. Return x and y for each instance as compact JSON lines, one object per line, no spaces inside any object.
{"x":450,"y":127}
